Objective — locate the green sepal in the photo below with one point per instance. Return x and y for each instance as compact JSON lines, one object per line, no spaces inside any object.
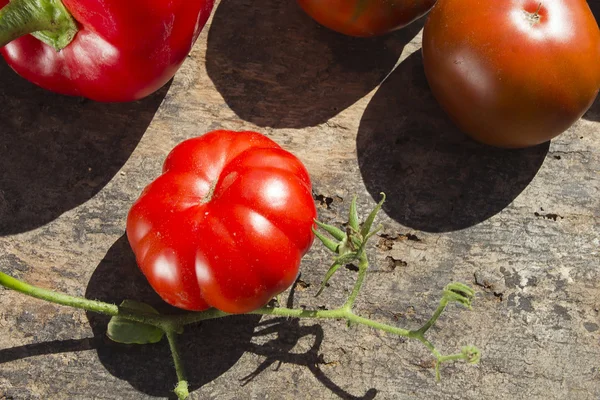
{"x":330,"y":244}
{"x":334,"y":267}
{"x":122,"y":330}
{"x":338,"y":262}
{"x":346,"y":258}
{"x":366,"y":228}
{"x":332,"y":230}
{"x":353,"y":217}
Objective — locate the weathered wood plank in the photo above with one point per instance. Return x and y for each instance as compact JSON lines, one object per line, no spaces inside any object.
{"x":522,"y":227}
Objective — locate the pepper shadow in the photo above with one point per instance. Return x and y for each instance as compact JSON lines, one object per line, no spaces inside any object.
{"x":435,"y":177}
{"x":276,"y":67}
{"x":56,"y":152}
{"x":208,"y":349}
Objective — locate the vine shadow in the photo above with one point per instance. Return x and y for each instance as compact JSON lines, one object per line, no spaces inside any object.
{"x":288,"y":332}
{"x":56,"y":152}
{"x":276,"y":67}
{"x":435,"y":177}
{"x":208,"y":349}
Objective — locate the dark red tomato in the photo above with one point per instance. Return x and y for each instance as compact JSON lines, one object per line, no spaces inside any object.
{"x":365,"y":17}
{"x":226,"y":224}
{"x":512,"y":73}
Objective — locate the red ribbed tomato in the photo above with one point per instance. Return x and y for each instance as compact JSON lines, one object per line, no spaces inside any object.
{"x":226,"y":224}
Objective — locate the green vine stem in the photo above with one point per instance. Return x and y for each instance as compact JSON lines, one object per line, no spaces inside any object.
{"x":349,"y":247}
{"x":85,"y":304}
{"x":173,"y":323}
{"x":181,"y":390}
{"x":363,"y":265}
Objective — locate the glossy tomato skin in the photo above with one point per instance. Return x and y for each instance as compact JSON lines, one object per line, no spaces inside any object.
{"x":512,"y":73}
{"x":226,"y":224}
{"x":365,"y":18}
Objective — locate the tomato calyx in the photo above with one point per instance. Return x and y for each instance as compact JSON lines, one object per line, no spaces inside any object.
{"x":349,"y":245}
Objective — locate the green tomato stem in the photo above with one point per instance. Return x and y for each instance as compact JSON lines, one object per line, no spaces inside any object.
{"x":171,"y":324}
{"x":83,"y":303}
{"x":363,"y":265}
{"x":58,"y":298}
{"x":434,"y":317}
{"x":181,"y":390}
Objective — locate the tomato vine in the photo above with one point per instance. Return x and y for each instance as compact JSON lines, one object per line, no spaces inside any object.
{"x":135,"y":322}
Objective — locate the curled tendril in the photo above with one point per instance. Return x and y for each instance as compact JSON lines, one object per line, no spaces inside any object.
{"x":459,"y":293}
{"x":471,"y":354}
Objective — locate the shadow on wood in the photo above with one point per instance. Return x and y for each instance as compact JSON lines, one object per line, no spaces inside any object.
{"x":53,"y":347}
{"x":287,"y":333}
{"x":593,"y":114}
{"x":56,"y":152}
{"x":208,"y":349}
{"x":285,"y":70}
{"x":435,"y":177}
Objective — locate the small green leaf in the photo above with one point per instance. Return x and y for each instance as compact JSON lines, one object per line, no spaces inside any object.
{"x":332,"y":230}
{"x":366,"y":228}
{"x":353,"y":217}
{"x":372,"y":233}
{"x":122,"y":330}
{"x":330,"y":244}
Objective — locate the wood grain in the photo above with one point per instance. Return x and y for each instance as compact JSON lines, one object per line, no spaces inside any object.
{"x":522,"y":227}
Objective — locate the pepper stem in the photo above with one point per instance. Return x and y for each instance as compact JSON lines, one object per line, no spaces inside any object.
{"x":47,"y":20}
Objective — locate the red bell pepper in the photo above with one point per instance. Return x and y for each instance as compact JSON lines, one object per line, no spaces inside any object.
{"x":105,"y":50}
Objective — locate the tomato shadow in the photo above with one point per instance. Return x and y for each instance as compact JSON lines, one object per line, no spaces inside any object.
{"x":208,"y":349}
{"x":276,"y":67}
{"x":56,"y":152}
{"x":436,"y":178}
{"x":593,"y":114}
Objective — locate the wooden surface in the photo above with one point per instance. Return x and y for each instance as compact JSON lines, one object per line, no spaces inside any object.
{"x":522,"y":227}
